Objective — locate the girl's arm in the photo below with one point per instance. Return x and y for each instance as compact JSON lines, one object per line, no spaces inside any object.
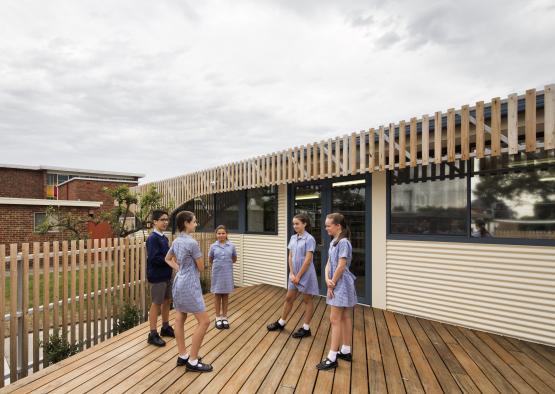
{"x":234,"y":259}
{"x":200,"y":263}
{"x":171,"y":261}
{"x":290,"y":263}
{"x":306,"y":264}
{"x":340,"y":269}
{"x":329,"y":282}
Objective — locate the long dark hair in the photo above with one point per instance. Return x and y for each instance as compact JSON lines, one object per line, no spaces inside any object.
{"x":182,"y":218}
{"x":339,"y":219}
{"x":304,"y":218}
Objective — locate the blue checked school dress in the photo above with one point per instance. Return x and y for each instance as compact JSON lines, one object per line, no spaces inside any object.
{"x":299,"y":246}
{"x":222,"y":267}
{"x":187,"y":292}
{"x":344,"y":293}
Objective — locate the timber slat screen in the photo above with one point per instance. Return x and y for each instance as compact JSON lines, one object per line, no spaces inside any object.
{"x":81,"y":298}
{"x":512,"y":125}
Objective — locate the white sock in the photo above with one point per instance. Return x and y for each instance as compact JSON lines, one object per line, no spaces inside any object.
{"x":345,"y":349}
{"x":184,"y":356}
{"x":306,"y":326}
{"x":332,"y":356}
{"x":281,"y":322}
{"x":193,"y":362}
{"x":218,"y":318}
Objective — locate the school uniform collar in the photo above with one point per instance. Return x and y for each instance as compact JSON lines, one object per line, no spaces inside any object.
{"x":158,"y":232}
{"x":304,"y":236}
{"x":218,"y":243}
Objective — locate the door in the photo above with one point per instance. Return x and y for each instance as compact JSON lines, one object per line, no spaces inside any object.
{"x":351,"y":197}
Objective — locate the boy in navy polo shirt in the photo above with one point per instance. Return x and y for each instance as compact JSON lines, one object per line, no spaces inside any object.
{"x":159,"y":275}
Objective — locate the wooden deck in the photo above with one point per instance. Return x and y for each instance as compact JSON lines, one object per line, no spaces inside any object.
{"x":392,"y":352}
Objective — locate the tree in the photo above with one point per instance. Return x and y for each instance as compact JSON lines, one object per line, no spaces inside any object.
{"x":131,"y":205}
{"x":57,"y":220}
{"x":128,"y":205}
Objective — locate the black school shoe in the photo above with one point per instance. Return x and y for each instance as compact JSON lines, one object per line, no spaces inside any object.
{"x":183,"y":361}
{"x":154,"y":339}
{"x":275,"y":326}
{"x":219,"y":325}
{"x":345,"y":356}
{"x":226,"y":324}
{"x":301,"y":333}
{"x":200,"y":367}
{"x":167,"y":332}
{"x":326,"y":364}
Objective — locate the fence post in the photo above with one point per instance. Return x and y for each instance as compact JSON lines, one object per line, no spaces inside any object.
{"x":20,"y":316}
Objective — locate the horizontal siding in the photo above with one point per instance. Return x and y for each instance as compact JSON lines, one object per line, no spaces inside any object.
{"x":237,"y":240}
{"x":505,"y":289}
{"x":264,"y":256}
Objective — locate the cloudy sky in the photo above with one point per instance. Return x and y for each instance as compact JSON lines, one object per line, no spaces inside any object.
{"x":169,"y":87}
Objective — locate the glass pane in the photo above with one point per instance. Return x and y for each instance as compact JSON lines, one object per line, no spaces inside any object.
{"x":227,"y":209}
{"x":262,"y":210}
{"x":308,"y":200}
{"x":204,"y":211}
{"x":348,"y":198}
{"x":431,"y":207}
{"x":515,"y":204}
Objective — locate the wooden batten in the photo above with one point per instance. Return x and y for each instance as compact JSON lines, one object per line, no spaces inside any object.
{"x":468,"y":134}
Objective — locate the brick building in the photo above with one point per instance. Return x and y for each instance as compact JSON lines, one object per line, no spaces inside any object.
{"x":27,"y":192}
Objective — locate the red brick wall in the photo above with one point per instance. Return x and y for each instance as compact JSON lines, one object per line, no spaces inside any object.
{"x":89,"y":190}
{"x":22,"y":183}
{"x":17,"y":224}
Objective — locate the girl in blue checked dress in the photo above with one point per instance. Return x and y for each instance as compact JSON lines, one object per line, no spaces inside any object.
{"x":222,"y":255}
{"x":302,"y":276}
{"x":186,"y":258}
{"x":342,"y":296}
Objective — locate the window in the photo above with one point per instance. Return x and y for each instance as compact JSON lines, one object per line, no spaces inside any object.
{"x":514,"y":197}
{"x":227,"y":207}
{"x":505,"y":197}
{"x":39,"y":219}
{"x":429,"y":200}
{"x":262,"y":208}
{"x":203,"y":208}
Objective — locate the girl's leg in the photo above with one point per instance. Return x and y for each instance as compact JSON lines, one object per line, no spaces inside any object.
{"x":202,"y":325}
{"x":218,"y":299}
{"x":225,"y":303}
{"x":308,"y":308}
{"x":346,"y":327}
{"x":336,"y":334}
{"x":180,"y":319}
{"x":288,"y":304}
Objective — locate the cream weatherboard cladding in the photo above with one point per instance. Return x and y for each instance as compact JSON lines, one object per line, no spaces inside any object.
{"x":507,"y":289}
{"x":263,"y":258}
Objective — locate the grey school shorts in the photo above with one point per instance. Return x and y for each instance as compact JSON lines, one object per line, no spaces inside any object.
{"x":160,"y":292}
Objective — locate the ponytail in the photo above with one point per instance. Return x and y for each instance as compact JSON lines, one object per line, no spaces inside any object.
{"x":339,"y":219}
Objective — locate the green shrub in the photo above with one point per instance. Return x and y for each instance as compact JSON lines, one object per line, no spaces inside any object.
{"x":58,"y":348}
{"x":129,"y":317}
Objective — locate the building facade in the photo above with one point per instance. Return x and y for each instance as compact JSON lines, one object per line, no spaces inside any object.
{"x":26,"y":193}
{"x":452,"y":215}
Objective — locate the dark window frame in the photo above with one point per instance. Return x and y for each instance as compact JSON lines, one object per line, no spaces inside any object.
{"x":463,"y":238}
{"x":241,"y":212}
{"x":246,"y":212}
